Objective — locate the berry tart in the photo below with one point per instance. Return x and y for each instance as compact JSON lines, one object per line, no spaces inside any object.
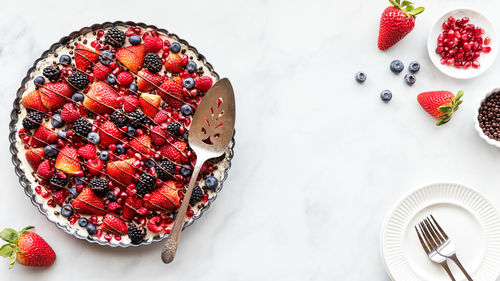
{"x":99,"y":133}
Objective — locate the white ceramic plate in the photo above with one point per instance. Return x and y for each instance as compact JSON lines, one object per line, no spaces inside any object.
{"x":486,"y":60}
{"x":468,"y":218}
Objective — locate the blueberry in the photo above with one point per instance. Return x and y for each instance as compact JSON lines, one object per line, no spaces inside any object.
{"x":186,"y":109}
{"x":191,"y":66}
{"x":93,"y":137}
{"x":67,"y":211}
{"x":149,"y":163}
{"x":51,"y":151}
{"x":397,"y":66}
{"x":79,"y":181}
{"x":56,"y":121}
{"x":120,"y":149}
{"x":131,"y":131}
{"x":133,"y":88}
{"x":175,"y":47}
{"x":186,"y":171}
{"x":106,"y":57}
{"x":185,"y":135}
{"x":73,"y":193}
{"x":61,"y":134}
{"x":410,"y":79}
{"x":104,"y":155}
{"x":386,"y":95}
{"x":414,"y":67}
{"x":188,"y":83}
{"x":91,"y":229}
{"x":360,"y":77}
{"x":111,"y":196}
{"x":111,"y":79}
{"x":65,"y":60}
{"x":135,"y":40}
{"x":211,"y":182}
{"x":39,"y":80}
{"x":77,"y":97}
{"x":83,"y":222}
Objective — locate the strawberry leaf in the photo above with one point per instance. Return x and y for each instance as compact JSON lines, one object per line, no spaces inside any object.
{"x":12,"y":259}
{"x":417,"y":11}
{"x":9,"y":235}
{"x":26,"y":229}
{"x":6,"y":250}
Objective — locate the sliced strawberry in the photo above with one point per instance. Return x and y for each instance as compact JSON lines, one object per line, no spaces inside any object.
{"x":173,"y":63}
{"x":174,"y":152}
{"x":148,"y":81}
{"x":87,"y":151}
{"x":88,"y":203}
{"x":67,"y":160}
{"x":142,"y":144}
{"x":131,"y":57}
{"x":109,"y":134}
{"x":43,"y":136}
{"x":45,"y":170}
{"x":101,"y":98}
{"x":164,"y":198}
{"x":150,"y":104}
{"x":158,"y":135}
{"x":69,"y":113}
{"x":35,"y":156}
{"x":132,"y":204}
{"x":100,"y":71}
{"x":113,"y":224}
{"x":130,"y":103}
{"x":121,"y":172}
{"x":55,"y":95}
{"x":171,"y":93}
{"x":84,"y":57}
{"x":33,"y":100}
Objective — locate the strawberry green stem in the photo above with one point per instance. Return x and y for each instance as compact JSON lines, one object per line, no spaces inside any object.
{"x":11,"y":249}
{"x":450,"y":109}
{"x":407,"y":8}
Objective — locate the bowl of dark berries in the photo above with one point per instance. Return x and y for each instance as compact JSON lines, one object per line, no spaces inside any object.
{"x":99,"y":131}
{"x":462,"y":43}
{"x":487,"y":118}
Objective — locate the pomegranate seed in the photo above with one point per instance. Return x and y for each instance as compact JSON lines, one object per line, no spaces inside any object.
{"x":465,"y":20}
{"x":487,"y":49}
{"x":475,"y":64}
{"x":487,"y":40}
{"x":100,"y":33}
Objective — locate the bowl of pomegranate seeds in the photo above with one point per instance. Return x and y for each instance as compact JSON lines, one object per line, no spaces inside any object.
{"x":462,"y":43}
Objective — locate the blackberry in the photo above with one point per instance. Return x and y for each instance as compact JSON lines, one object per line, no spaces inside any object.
{"x":57,"y":183}
{"x":136,"y":234}
{"x":173,"y":128}
{"x":165,"y":170}
{"x":137,"y":119}
{"x":114,"y":37}
{"x":119,"y":118}
{"x":99,"y":186}
{"x":82,"y":127}
{"x":145,"y":184}
{"x":52,"y":72}
{"x":33,"y":120}
{"x":79,"y":80}
{"x":152,"y":62}
{"x":196,"y":195}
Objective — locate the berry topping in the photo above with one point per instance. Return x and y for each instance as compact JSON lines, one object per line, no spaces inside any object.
{"x":99,"y":186}
{"x":196,"y":195}
{"x":114,"y":37}
{"x":82,"y":127}
{"x":79,"y":80}
{"x":211,"y":182}
{"x":65,"y":60}
{"x":52,"y":72}
{"x":136,"y":233}
{"x":152,"y":62}
{"x":165,"y":169}
{"x":33,"y":120}
{"x":175,"y":47}
{"x":145,"y":184}
{"x":84,"y":57}
{"x":134,"y":40}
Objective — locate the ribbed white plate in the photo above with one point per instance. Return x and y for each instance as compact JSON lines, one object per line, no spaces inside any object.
{"x":468,"y":218}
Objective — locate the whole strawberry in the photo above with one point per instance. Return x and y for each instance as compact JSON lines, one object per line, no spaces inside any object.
{"x":440,"y":104}
{"x":26,"y":247}
{"x":396,"y":22}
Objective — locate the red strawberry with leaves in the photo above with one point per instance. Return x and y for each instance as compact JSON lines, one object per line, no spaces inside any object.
{"x":164,"y":198}
{"x":130,"y":103}
{"x":85,"y":57}
{"x":109,"y":134}
{"x":45,"y":170}
{"x":88,"y":203}
{"x":141,"y":144}
{"x":43,"y":136}
{"x":100,"y":71}
{"x":113,"y":224}
{"x":35,"y":156}
{"x":173,"y":63}
{"x":121,"y":172}
{"x":203,"y":83}
{"x":396,"y":22}
{"x":131,"y":57}
{"x":55,"y":94}
{"x":26,"y":247}
{"x":440,"y":104}
{"x":67,"y":160}
{"x":171,"y":93}
{"x":150,"y":104}
{"x":101,"y":98}
{"x":174,"y":152}
{"x":152,"y":43}
{"x":69,"y":113}
{"x":148,"y":81}
{"x":33,"y":100}
{"x":87,"y":151}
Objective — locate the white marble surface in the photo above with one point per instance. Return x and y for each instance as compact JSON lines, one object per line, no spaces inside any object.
{"x":319,"y":158}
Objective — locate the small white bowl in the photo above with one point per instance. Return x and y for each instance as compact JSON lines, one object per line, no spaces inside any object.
{"x":486,"y":59}
{"x":476,"y":122}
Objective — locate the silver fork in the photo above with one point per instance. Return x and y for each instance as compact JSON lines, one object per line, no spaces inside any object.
{"x":430,"y":248}
{"x":446,"y":247}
